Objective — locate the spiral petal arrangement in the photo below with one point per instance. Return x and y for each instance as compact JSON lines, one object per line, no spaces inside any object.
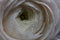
{"x":29,"y":20}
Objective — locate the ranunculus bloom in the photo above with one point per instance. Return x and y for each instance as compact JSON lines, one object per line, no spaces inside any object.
{"x":28,"y":19}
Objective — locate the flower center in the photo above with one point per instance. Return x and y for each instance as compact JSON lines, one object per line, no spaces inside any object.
{"x":25,"y":18}
{"x":24,"y":15}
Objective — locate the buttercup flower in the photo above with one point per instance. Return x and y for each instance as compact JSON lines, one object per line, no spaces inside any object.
{"x":28,"y":19}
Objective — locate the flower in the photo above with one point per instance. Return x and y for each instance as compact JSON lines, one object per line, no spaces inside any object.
{"x":28,"y":19}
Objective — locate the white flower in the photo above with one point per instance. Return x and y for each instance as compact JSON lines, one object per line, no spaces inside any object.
{"x":28,"y":19}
